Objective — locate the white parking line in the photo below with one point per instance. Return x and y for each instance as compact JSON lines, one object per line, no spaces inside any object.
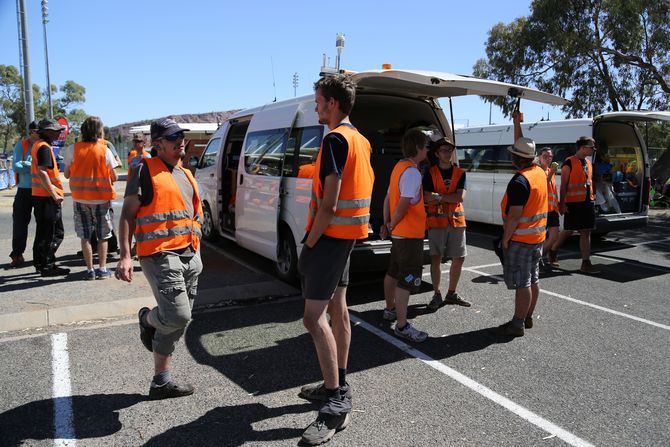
{"x":488,"y":393}
{"x":62,"y":395}
{"x":583,"y":303}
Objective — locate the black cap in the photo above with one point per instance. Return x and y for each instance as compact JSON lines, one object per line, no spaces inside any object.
{"x":164,"y":127}
{"x":50,"y":124}
{"x":33,"y":125}
{"x":138,"y":137}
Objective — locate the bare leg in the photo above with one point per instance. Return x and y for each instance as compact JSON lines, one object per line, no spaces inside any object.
{"x":401,"y":302}
{"x":87,"y":251}
{"x":585,"y":244}
{"x":316,"y":323}
{"x":522,"y":300}
{"x":436,"y":271}
{"x":102,"y":254}
{"x":339,"y":318}
{"x":161,"y":363}
{"x":562,"y":237}
{"x":455,"y":272}
{"x":552,"y":237}
{"x":535,"y":293}
{"x":389,"y":291}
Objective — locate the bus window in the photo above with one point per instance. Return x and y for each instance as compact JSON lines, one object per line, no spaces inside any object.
{"x":478,"y":158}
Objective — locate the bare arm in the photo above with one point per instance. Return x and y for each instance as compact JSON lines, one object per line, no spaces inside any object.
{"x":516,"y":118}
{"x":66,"y":172}
{"x":46,"y":183}
{"x":399,"y":212}
{"x":510,"y":224}
{"x":131,"y":205}
{"x":326,"y":211}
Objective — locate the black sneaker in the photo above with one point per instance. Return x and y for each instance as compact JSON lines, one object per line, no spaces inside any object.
{"x":528,"y":322}
{"x":146,"y":332}
{"x":324,"y":428}
{"x":169,"y":391}
{"x":455,"y":298}
{"x":319,"y":393}
{"x":55,"y":271}
{"x":507,"y":330}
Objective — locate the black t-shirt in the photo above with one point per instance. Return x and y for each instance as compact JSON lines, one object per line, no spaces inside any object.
{"x":334,"y":152}
{"x":446,"y":177}
{"x":44,"y":157}
{"x":518,"y":191}
{"x":585,"y":167}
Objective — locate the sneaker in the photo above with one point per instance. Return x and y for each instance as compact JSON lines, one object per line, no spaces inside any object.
{"x":17,"y":261}
{"x":89,"y":275}
{"x":410,"y":333}
{"x":552,"y":258}
{"x":103,"y":274}
{"x":508,"y":330}
{"x":389,"y":315}
{"x":528,"y":322}
{"x":435,"y":302}
{"x":324,"y":428}
{"x":169,"y":391}
{"x":54,"y":271}
{"x":455,"y":298}
{"x":146,"y":332}
{"x":588,"y":268}
{"x":318,"y":392}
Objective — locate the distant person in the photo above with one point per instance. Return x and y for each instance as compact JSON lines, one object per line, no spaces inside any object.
{"x":23,"y":202}
{"x":90,"y":165}
{"x":405,"y":222}
{"x":444,"y":192}
{"x":550,"y":167}
{"x":524,"y":212}
{"x":162,"y":208}
{"x":577,"y":203}
{"x":137,"y":153}
{"x":47,"y":192}
{"x":339,"y":213}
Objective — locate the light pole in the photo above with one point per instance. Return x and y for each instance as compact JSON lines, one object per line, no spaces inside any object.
{"x":25,"y":63}
{"x":45,"y":20}
{"x":295,"y":83}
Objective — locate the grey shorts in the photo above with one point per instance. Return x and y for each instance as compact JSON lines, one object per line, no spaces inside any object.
{"x":448,"y":242}
{"x":522,"y":264}
{"x":406,"y":263}
{"x":324,"y":267}
{"x":93,"y":218}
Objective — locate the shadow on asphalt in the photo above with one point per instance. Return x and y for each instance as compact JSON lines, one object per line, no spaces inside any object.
{"x":231,"y":426}
{"x":95,"y":416}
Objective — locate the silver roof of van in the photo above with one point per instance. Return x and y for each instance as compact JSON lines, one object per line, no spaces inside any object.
{"x":635,"y":115}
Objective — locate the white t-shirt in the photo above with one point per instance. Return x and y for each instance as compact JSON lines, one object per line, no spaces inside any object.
{"x":68,"y":158}
{"x":410,"y":185}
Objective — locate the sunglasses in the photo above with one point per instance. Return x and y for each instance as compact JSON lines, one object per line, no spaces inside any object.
{"x":174,"y":136}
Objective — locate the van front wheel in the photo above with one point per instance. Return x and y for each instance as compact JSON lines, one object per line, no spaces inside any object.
{"x":208,"y":231}
{"x":286,"y":266}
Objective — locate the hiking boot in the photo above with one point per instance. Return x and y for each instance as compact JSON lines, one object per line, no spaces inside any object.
{"x":146,"y":332}
{"x":17,"y":261}
{"x":588,"y":268}
{"x":169,"y":391}
{"x":389,"y":315}
{"x":435,"y":302}
{"x":54,"y":271}
{"x":89,"y":276}
{"x":324,"y":428}
{"x":455,"y":298}
{"x":410,"y":333}
{"x":508,"y":330}
{"x":319,"y":393}
{"x":528,"y":322}
{"x":552,"y":258}
{"x":103,"y":274}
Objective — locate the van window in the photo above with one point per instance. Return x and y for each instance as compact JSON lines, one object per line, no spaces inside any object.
{"x":478,"y":158}
{"x":504,"y":161}
{"x":209,"y":155}
{"x":264,"y":152}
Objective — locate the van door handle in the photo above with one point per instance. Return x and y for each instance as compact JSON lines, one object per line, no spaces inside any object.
{"x":211,"y":175}
{"x":241,"y":178}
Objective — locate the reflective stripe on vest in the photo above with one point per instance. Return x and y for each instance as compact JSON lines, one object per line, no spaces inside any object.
{"x":552,"y":192}
{"x":413,"y":224}
{"x":579,"y":182}
{"x":532,"y":224}
{"x":38,"y":189}
{"x":352,"y":210}
{"x":445,"y":214}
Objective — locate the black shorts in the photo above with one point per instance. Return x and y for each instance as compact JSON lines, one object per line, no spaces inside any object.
{"x":552,"y":219}
{"x":579,"y":216}
{"x":406,"y":263}
{"x":324,"y":267}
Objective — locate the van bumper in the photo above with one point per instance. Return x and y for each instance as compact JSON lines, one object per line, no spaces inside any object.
{"x":620,"y":222}
{"x":370,"y":256}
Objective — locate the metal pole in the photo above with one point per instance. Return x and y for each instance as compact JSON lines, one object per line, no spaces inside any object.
{"x":28,"y":103}
{"x":45,"y":20}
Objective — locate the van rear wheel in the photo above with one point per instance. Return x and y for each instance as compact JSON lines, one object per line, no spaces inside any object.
{"x":208,"y":231}
{"x":286,"y":266}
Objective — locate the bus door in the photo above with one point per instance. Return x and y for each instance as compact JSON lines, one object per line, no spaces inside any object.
{"x":260,"y":179}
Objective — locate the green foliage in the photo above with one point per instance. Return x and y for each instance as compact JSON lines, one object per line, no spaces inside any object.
{"x":603,"y":55}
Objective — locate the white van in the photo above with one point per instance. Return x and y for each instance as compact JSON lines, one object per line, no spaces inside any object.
{"x":255,"y":174}
{"x":621,"y":165}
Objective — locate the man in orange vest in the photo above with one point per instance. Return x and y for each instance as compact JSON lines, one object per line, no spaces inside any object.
{"x":339,"y":213}
{"x":23,"y":202}
{"x":524,"y":212}
{"x":444,"y":191}
{"x":550,"y":167}
{"x":90,"y":165}
{"x":405,"y":222}
{"x":162,"y":208}
{"x":577,"y":203}
{"x":47,"y":192}
{"x":137,"y":152}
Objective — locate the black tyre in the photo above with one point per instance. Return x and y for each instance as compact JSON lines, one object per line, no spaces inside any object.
{"x":286,"y":266}
{"x":208,"y":231}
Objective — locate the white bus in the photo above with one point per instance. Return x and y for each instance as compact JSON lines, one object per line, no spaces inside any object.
{"x":621,"y":165}
{"x":255,"y":173}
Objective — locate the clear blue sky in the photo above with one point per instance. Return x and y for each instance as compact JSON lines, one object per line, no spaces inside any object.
{"x":144,"y":59}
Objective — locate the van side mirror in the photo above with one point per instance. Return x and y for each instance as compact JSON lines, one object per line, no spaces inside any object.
{"x":193,"y":163}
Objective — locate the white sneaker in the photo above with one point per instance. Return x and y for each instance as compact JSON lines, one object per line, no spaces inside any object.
{"x":389,"y":315}
{"x":411,"y":333}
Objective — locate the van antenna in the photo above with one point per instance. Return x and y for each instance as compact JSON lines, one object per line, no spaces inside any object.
{"x":274,"y":87}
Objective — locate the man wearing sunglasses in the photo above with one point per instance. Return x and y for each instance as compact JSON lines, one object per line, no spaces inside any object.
{"x":162,"y":208}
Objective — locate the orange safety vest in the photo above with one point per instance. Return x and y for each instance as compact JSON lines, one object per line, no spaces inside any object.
{"x":552,"y":192}
{"x":532,"y":226}
{"x":132,"y":156}
{"x":90,"y":176}
{"x":448,"y":214}
{"x":54,"y":174}
{"x":352,"y":212}
{"x":164,"y":224}
{"x":578,"y":183}
{"x":25,"y":144}
{"x":413,"y":225}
